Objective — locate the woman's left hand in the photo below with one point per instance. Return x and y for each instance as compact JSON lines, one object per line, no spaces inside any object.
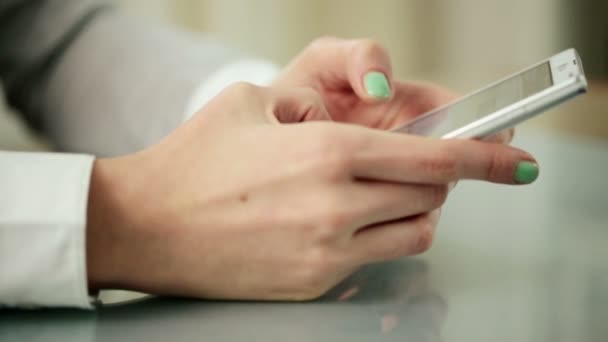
{"x":354,"y":78}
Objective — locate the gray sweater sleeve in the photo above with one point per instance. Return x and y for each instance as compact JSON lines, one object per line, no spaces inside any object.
{"x":95,"y":80}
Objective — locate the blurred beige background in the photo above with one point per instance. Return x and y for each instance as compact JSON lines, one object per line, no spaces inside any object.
{"x":463,"y":44}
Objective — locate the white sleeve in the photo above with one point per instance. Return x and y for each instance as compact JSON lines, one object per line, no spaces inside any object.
{"x":43,"y":205}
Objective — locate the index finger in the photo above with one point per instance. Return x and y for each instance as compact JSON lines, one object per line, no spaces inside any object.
{"x":413,"y":159}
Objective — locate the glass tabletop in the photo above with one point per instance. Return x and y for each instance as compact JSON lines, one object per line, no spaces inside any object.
{"x":508,"y":264}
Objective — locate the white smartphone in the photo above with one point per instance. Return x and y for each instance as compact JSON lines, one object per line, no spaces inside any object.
{"x":505,"y":103}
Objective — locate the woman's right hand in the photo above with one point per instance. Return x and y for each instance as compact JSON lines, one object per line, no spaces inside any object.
{"x":247,"y":201}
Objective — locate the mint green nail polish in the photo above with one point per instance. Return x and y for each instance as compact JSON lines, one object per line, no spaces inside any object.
{"x":526,"y":172}
{"x":376,"y":85}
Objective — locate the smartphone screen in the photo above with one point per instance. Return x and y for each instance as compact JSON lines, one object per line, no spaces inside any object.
{"x":441,"y":121}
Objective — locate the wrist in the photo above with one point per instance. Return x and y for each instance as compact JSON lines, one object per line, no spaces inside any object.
{"x":108,"y":232}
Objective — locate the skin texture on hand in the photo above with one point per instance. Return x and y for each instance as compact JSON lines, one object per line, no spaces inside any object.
{"x":261,"y":196}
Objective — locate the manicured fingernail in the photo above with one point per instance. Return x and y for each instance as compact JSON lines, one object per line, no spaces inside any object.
{"x":526,"y":172}
{"x":376,"y":85}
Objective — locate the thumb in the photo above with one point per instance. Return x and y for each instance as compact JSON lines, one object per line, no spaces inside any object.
{"x":360,"y":65}
{"x":291,"y":105}
{"x":368,"y":68}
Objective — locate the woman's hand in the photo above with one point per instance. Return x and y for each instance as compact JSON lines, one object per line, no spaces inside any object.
{"x":234,"y":205}
{"x":354,"y":78}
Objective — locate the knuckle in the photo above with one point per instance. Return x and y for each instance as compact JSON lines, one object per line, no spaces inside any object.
{"x":442,"y":165}
{"x":331,"y":154}
{"x":416,"y":238}
{"x":242,"y":89}
{"x":496,"y":165}
{"x":337,"y":166}
{"x":316,"y":273}
{"x":425,"y":235}
{"x":333,"y":218}
{"x":438,"y":195}
{"x":370,"y":46}
{"x":319,"y":44}
{"x":325,"y":137}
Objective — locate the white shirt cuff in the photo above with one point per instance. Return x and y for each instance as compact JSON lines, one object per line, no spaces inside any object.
{"x":253,"y":71}
{"x":43,"y":207}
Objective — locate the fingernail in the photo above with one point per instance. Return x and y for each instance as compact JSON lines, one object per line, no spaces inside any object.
{"x":376,"y":85}
{"x":526,"y":172}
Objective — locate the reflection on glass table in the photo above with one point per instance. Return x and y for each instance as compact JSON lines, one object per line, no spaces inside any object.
{"x":385,"y":302}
